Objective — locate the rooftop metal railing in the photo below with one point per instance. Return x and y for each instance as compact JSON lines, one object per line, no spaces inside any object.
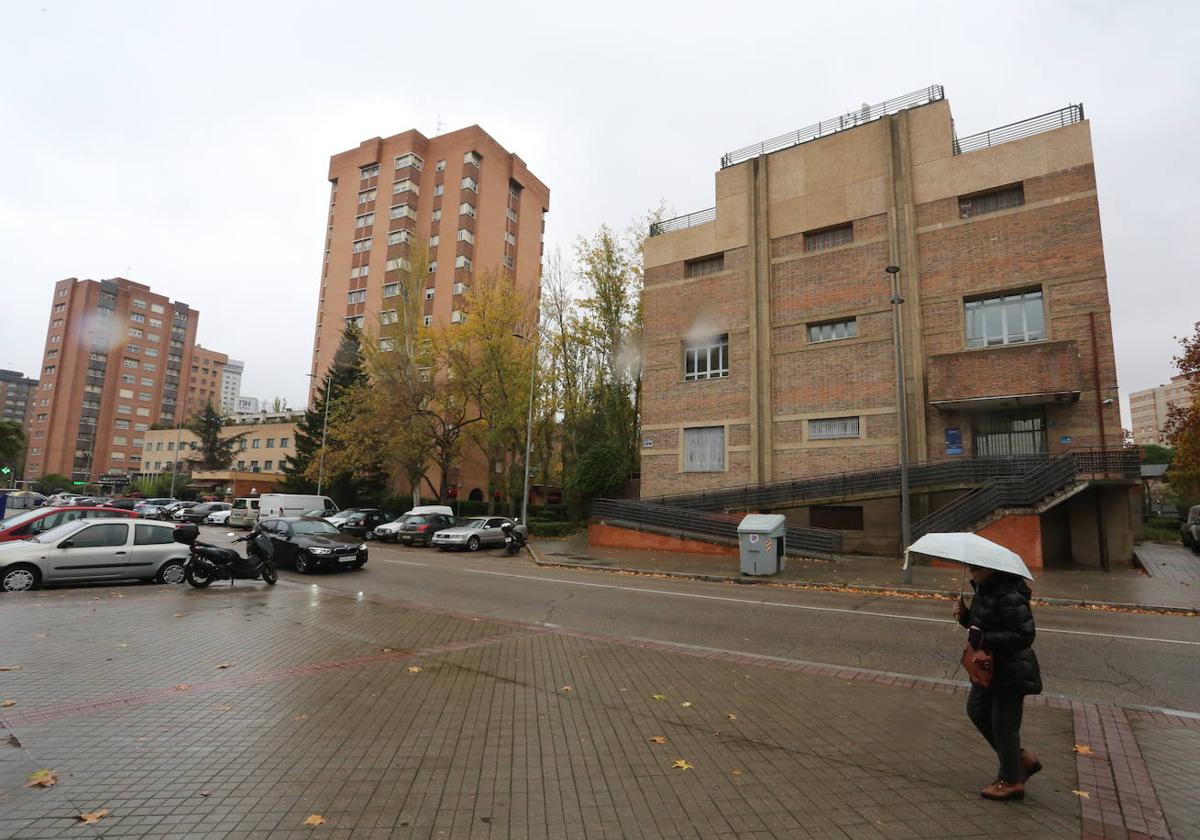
{"x":1015,"y":131}
{"x":853,"y":119}
{"x":681,"y":222}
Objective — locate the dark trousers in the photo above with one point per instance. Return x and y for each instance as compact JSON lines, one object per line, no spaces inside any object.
{"x":997,"y":716}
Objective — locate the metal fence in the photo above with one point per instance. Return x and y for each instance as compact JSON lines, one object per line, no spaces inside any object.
{"x":681,"y":522}
{"x":1024,"y":128}
{"x":865,"y":114}
{"x":681,"y":222}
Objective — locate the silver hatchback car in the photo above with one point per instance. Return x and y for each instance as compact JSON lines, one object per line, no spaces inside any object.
{"x":472,"y":534}
{"x":105,"y":549}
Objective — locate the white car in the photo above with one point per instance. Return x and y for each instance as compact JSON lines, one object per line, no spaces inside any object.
{"x":217,"y":517}
{"x":473,"y":534}
{"x":107,"y":548}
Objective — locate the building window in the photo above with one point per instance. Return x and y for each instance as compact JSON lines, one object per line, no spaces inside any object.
{"x":362,"y":245}
{"x":991,"y":201}
{"x":405,"y":185}
{"x":355,"y":321}
{"x":433,"y":266}
{"x":137,"y":317}
{"x":129,"y":363}
{"x":704,"y":265}
{"x":462,"y":261}
{"x":439,"y":189}
{"x":465,"y":235}
{"x":410,"y":159}
{"x":457,"y":317}
{"x":359,"y":271}
{"x":60,"y":307}
{"x":440,"y":167}
{"x":512,"y":214}
{"x":49,"y":369}
{"x":357,"y":297}
{"x":283,"y":443}
{"x":367,"y":196}
{"x":471,"y":184}
{"x":427,"y":320}
{"x":707,"y":359}
{"x":391,"y":290}
{"x":466,"y":209}
{"x":399,"y":237}
{"x":156,"y":308}
{"x":819,"y":240}
{"x":704,"y":449}
{"x":1006,"y":319}
{"x":369,"y":171}
{"x":832,"y":428}
{"x":267,"y":465}
{"x":509,"y":238}
{"x":460,"y":289}
{"x":365,"y":220}
{"x":402,"y":211}
{"x":472,"y":159}
{"x":256,"y":443}
{"x":397,"y":264}
{"x":126,"y":393}
{"x":429,"y":294}
{"x":434,"y":240}
{"x":833,"y":330}
{"x":134,"y":332}
{"x":388,"y":316}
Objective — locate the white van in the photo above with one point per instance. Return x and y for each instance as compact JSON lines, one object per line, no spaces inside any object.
{"x":244,"y":513}
{"x":287,"y":504}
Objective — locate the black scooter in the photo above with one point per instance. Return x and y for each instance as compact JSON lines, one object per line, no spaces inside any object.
{"x":515,"y":536}
{"x":207,"y":563}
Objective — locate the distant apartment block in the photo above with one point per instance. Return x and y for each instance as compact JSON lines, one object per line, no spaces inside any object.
{"x":768,"y":338}
{"x":1148,"y":409}
{"x":246,"y":405}
{"x":17,"y":394}
{"x":207,"y":380}
{"x":231,"y":386}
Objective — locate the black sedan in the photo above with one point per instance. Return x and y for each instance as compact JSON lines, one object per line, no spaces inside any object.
{"x":358,"y":522}
{"x":198,"y":513}
{"x":307,"y":544}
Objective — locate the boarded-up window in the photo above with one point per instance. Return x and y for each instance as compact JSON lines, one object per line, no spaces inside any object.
{"x":829,"y":428}
{"x":991,"y":201}
{"x":704,"y":449}
{"x":836,"y":517}
{"x":705,"y":265}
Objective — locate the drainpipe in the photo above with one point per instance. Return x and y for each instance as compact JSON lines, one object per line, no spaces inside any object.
{"x":1101,"y":530}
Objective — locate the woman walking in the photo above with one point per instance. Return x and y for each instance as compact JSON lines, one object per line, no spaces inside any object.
{"x":1000,"y":623}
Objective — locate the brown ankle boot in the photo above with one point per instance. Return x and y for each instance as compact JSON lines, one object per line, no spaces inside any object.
{"x":1002,"y":791}
{"x":1030,"y":764}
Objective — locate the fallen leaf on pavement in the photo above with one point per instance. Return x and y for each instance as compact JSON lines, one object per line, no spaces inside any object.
{"x":658,"y":739}
{"x":687,"y":704}
{"x":731,"y":717}
{"x":736,"y":772}
{"x":385,"y":650}
{"x":41,"y":635}
{"x":179,"y":615}
{"x":10,"y":667}
{"x":224,"y":707}
{"x":659,"y":696}
{"x":1083,"y":749}
{"x":143,"y":738}
{"x":183,"y":687}
{"x":206,"y":793}
{"x":123,"y":645}
{"x":1082,"y":794}
{"x":681,"y":764}
{"x":8,"y":704}
{"x":301,"y":717}
{"x":566,"y":689}
{"x":315,"y":819}
{"x":42,"y":778}
{"x":222,"y":666}
{"x":414,"y":669}
{"x":94,"y":817}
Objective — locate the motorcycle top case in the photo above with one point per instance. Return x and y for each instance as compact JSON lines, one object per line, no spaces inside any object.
{"x":186,"y":533}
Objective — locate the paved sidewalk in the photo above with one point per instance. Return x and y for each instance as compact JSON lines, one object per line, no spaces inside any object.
{"x":1170,"y":561}
{"x":394,"y":720}
{"x":1124,"y":586}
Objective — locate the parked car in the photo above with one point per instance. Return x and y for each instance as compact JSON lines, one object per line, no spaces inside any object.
{"x":107,"y":548}
{"x":390,"y":531}
{"x":176,"y":510}
{"x":319,"y":513}
{"x":309,"y":544}
{"x":217,"y":517}
{"x":244,"y":512}
{"x":29,"y":523}
{"x":198,"y":513}
{"x":359,"y":522}
{"x":473,"y":534}
{"x":415,"y":528}
{"x":1187,"y":526}
{"x":123,"y":504}
{"x":291,"y":504}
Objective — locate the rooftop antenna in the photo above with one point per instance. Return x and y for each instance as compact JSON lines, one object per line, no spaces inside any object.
{"x":440,"y":125}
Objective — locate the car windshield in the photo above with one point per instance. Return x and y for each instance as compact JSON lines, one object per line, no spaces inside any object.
{"x":22,"y":517}
{"x":475,"y":523}
{"x":313,"y":527}
{"x":61,"y":532}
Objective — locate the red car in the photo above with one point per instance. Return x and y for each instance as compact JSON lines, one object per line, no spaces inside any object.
{"x":28,"y":523}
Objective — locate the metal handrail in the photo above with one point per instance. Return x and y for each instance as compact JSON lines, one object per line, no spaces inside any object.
{"x":853,"y":119}
{"x":688,"y":220}
{"x":1024,"y":128}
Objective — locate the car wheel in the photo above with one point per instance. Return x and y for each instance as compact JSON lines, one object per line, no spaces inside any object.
{"x":473,"y":543}
{"x":301,"y":563}
{"x":19,"y":578}
{"x":171,"y":572}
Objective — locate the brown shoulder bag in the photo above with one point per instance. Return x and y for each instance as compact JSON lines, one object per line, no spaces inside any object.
{"x":978,"y":664}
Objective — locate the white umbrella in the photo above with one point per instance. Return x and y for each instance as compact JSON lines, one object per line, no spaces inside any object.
{"x":971,"y":549}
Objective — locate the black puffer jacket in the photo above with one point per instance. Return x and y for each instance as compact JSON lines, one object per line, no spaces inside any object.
{"x":1001,"y":610}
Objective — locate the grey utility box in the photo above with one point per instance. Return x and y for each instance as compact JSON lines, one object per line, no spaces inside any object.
{"x":761,"y":539}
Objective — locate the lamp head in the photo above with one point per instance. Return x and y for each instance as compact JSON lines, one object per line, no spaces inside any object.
{"x":892,"y":269}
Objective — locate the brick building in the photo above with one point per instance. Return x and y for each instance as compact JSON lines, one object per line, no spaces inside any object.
{"x":474,"y":204}
{"x":17,"y":397}
{"x":769,"y":324}
{"x":207,"y":380}
{"x":269,"y":441}
{"x":1148,"y":409}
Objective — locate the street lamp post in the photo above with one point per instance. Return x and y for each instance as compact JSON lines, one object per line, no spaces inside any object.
{"x":324,"y":433}
{"x":528,"y":423}
{"x":902,"y":399}
{"x":178,"y":442}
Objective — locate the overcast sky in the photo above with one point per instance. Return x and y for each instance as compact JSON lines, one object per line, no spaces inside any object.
{"x":186,"y":146}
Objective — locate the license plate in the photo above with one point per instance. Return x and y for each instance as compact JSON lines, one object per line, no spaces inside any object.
{"x":347,"y":559}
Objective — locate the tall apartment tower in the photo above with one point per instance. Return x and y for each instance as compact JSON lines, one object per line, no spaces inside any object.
{"x":1148,"y":409}
{"x":231,"y":385}
{"x":117,"y":360}
{"x":768,"y":334}
{"x":207,"y":379}
{"x":16,"y":397}
{"x":476,"y":206}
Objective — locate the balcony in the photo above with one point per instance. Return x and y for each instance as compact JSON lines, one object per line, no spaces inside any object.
{"x":1005,"y":377}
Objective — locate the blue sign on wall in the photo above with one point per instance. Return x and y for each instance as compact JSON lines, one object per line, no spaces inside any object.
{"x":954,"y":441}
{"x":1065,"y":439}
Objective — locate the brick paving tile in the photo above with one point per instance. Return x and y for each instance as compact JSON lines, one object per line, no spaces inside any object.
{"x":506,"y":731}
{"x":1173,"y":760}
{"x":1169,"y":562}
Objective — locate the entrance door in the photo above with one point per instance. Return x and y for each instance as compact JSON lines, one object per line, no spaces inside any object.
{"x":1004,"y":433}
